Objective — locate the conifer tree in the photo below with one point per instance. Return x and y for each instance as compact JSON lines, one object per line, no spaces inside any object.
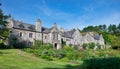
{"x":4,"y":31}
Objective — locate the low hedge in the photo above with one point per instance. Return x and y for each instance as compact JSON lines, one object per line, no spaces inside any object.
{"x":102,"y":63}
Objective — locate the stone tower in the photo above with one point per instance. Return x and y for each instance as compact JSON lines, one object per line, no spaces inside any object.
{"x":38,"y":25}
{"x":55,"y":25}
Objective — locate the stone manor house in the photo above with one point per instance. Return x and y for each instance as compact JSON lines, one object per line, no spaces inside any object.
{"x":53,"y":35}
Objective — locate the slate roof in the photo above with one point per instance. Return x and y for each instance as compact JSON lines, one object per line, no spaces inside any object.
{"x":24,"y":26}
{"x":30,"y":27}
{"x":68,"y":34}
{"x":97,"y":37}
{"x":46,"y":30}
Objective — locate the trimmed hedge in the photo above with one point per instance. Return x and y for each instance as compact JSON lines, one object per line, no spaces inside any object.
{"x":102,"y":63}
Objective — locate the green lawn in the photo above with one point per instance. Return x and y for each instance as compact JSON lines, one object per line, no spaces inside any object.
{"x":17,"y":59}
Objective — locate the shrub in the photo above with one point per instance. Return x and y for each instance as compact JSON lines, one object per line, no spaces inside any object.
{"x":73,"y":55}
{"x":53,"y":54}
{"x":59,"y":54}
{"x":101,"y":63}
{"x":46,"y":46}
{"x":20,"y":45}
{"x":68,"y":48}
{"x":116,"y":43}
{"x":84,"y":45}
{"x":29,"y":50}
{"x":37,"y":44}
{"x":63,"y":42}
{"x":3,"y":46}
{"x":98,"y":46}
{"x":91,"y":45}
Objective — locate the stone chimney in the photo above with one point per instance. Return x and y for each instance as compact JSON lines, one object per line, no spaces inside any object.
{"x":62,"y":29}
{"x":10,"y":23}
{"x":38,"y":25}
{"x":55,"y":25}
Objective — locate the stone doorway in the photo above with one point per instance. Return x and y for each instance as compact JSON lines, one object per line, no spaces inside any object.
{"x":55,"y":45}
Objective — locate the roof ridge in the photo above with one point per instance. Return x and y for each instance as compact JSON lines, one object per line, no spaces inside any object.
{"x":24,"y":23}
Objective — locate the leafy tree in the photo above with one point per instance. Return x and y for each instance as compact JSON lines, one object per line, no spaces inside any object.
{"x":112,"y":29}
{"x":92,"y":28}
{"x":109,"y":34}
{"x":102,"y":27}
{"x":4,"y":31}
{"x":116,"y":43}
{"x":118,"y":31}
{"x":118,"y":27}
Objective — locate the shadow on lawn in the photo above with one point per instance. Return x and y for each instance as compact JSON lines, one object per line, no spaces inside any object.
{"x":66,"y":67}
{"x":3,"y":53}
{"x":102,"y":63}
{"x":96,"y":63}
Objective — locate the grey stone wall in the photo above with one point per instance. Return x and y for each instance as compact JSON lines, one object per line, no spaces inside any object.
{"x":76,"y":39}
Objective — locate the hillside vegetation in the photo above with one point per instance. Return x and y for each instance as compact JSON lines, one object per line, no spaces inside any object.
{"x":17,"y":59}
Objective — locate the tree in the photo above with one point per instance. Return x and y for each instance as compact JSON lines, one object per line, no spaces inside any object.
{"x":4,"y":31}
{"x":104,"y":27}
{"x":116,"y":43}
{"x":91,"y":28}
{"x":91,"y":45}
{"x":118,"y":27}
{"x":118,"y":30}
{"x":112,"y":29}
{"x":84,"y":45}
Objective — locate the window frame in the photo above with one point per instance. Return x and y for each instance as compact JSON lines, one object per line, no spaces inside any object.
{"x":20,"y":34}
{"x":30,"y":35}
{"x":55,"y":36}
{"x":30,"y":43}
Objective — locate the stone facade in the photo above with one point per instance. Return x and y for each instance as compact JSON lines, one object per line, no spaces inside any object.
{"x":29,"y":33}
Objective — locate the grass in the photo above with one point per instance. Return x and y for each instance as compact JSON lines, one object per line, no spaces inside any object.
{"x":17,"y":59}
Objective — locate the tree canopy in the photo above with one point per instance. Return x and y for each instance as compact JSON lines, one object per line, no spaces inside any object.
{"x":4,"y":31}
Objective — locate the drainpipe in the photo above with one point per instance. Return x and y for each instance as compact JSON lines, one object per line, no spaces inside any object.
{"x":42,"y":38}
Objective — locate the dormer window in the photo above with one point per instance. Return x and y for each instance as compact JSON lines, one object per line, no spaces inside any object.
{"x":31,"y":27}
{"x":21,"y":26}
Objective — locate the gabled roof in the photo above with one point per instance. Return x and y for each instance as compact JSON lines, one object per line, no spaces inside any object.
{"x":68,"y":34}
{"x":45,"y":30}
{"x":97,"y":37}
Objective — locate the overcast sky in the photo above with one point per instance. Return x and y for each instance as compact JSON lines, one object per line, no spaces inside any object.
{"x":66,"y":13}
